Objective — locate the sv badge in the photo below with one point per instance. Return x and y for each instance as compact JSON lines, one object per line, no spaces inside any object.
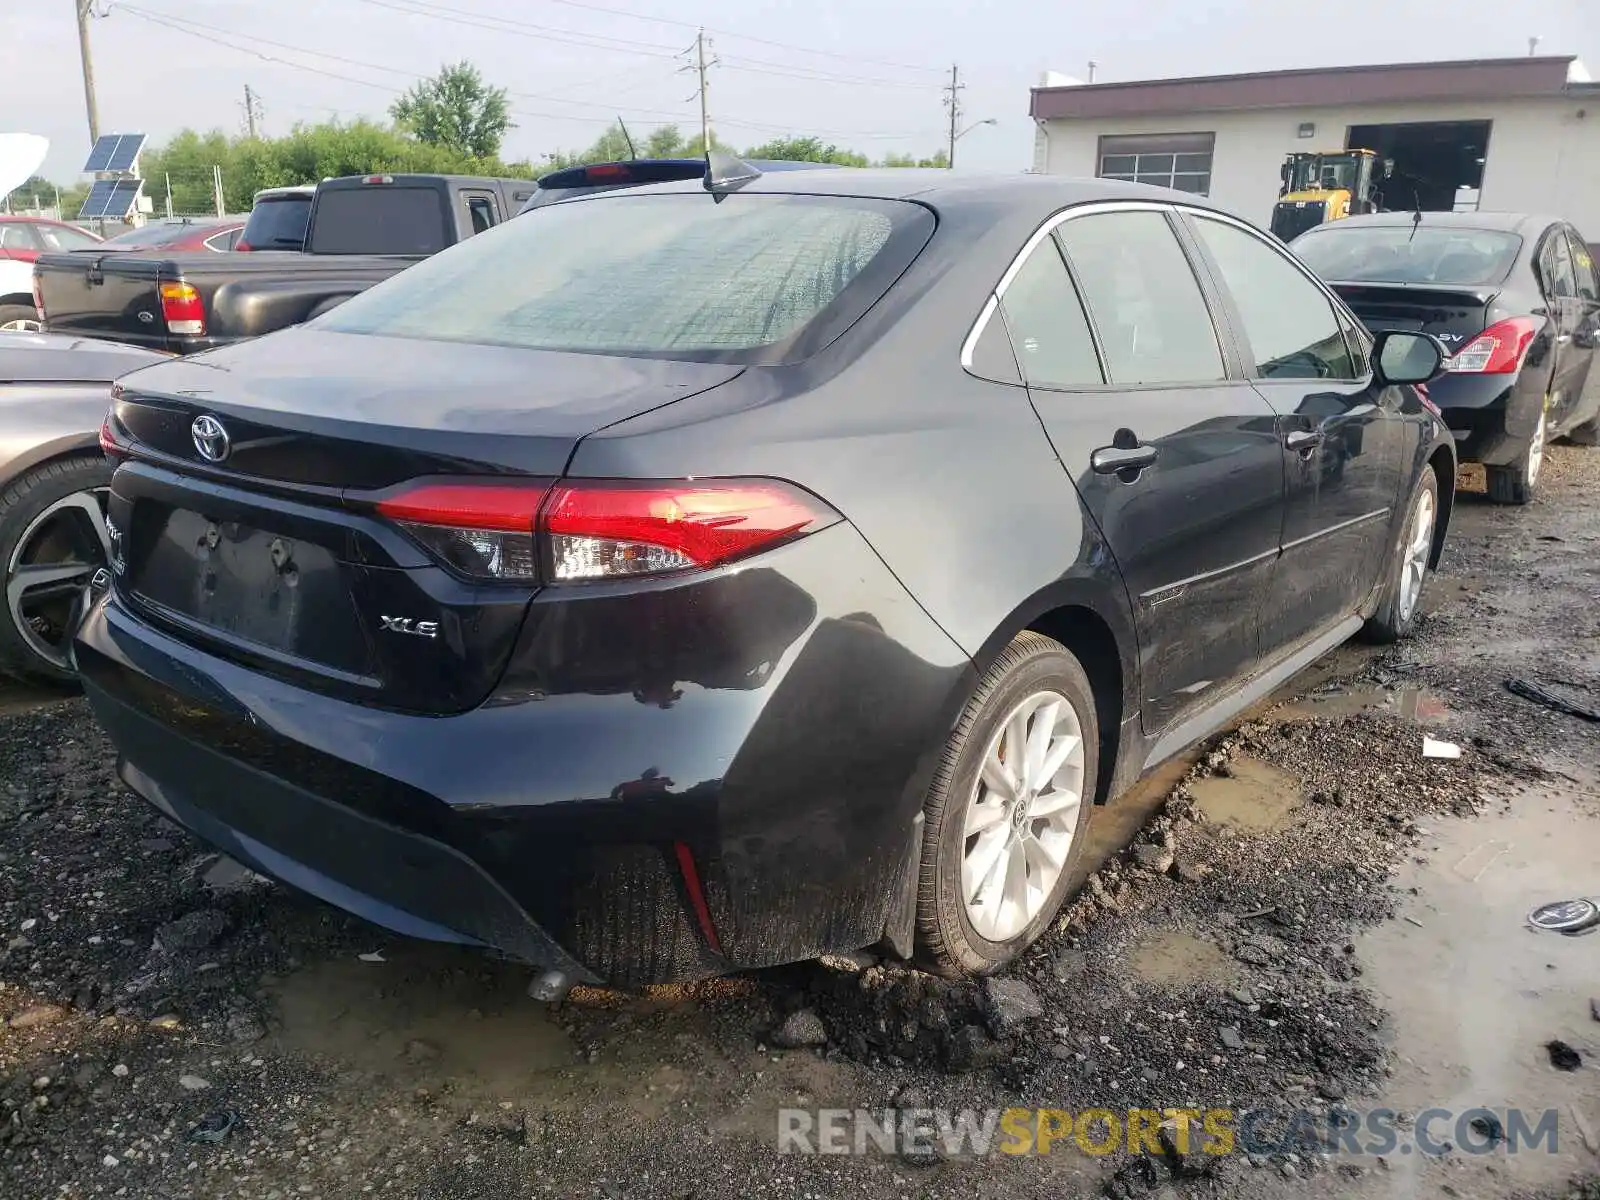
{"x":426,"y":629}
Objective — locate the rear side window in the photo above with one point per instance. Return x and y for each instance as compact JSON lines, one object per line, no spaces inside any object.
{"x":1049,"y":333}
{"x":1147,"y":306}
{"x":1289,"y":323}
{"x":1555,"y":266}
{"x":62,"y":237}
{"x":1584,"y":271}
{"x":749,"y":278}
{"x":17,"y":235}
{"x":378,"y":219}
{"x":480,"y":212}
{"x":277,"y":223}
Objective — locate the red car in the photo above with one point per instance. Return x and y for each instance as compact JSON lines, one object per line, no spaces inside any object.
{"x":23,"y":239}
{"x":179,"y":235}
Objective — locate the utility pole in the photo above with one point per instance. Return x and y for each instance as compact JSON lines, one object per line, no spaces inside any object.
{"x":84,"y":10}
{"x":701,"y":66}
{"x":252,"y":108}
{"x":952,"y":100}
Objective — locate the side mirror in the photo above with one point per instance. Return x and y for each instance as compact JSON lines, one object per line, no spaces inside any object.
{"x":1400,"y":356}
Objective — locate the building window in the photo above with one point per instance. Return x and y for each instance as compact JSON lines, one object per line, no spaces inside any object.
{"x":1169,"y":160}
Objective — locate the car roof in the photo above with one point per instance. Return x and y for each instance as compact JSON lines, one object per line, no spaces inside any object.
{"x":1019,"y":195}
{"x":19,"y":217}
{"x":60,"y":358}
{"x":1524,"y":224}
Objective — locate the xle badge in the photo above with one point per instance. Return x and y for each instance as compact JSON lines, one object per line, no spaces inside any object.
{"x":427,"y":629}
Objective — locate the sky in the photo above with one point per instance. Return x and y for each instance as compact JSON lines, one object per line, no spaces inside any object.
{"x":866,"y":74}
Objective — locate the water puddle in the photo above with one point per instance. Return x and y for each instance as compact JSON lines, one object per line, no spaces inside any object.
{"x":1408,"y":703}
{"x":1171,"y":959}
{"x":423,"y":1012}
{"x":1255,"y":796}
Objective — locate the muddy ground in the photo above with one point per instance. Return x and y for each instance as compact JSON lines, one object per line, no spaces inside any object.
{"x":1311,"y":914}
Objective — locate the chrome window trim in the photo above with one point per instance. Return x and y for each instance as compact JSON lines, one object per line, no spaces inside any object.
{"x":1094,"y":207}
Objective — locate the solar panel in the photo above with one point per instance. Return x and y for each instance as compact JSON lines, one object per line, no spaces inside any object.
{"x":100,"y":153}
{"x":124,"y":195}
{"x":126,"y":151}
{"x":94,"y":204}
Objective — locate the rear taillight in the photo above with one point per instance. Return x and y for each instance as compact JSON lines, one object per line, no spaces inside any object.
{"x":1498,"y":350}
{"x":115,"y":448}
{"x":183,"y":310}
{"x":585,"y":530}
{"x":38,"y":296}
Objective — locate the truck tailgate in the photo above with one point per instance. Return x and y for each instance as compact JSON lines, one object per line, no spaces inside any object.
{"x":114,"y":296}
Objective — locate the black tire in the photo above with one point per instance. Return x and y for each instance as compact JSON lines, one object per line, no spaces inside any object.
{"x":17,"y":312}
{"x":948,"y":943}
{"x":1587,"y":434}
{"x":1388,"y":623}
{"x":20,"y":503}
{"x":1518,"y":483}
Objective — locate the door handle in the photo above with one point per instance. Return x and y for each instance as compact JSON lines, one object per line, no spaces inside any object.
{"x":1303,"y":441}
{"x":1108,"y":460}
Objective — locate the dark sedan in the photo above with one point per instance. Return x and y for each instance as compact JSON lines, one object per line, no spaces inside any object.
{"x":1515,"y":298}
{"x":666,"y":583}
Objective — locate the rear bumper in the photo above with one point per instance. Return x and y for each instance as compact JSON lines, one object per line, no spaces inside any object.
{"x":552,"y":822}
{"x":1492,"y":417}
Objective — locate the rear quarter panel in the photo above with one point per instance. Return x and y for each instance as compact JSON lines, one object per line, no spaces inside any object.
{"x":42,"y":421}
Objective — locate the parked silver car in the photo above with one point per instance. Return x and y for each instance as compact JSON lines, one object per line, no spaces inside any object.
{"x":54,"y":393}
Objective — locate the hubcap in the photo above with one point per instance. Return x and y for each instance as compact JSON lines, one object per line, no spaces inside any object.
{"x":1022,"y":816}
{"x":21,"y":326}
{"x":1414,"y":565}
{"x":54,"y":559}
{"x":1536,"y":452}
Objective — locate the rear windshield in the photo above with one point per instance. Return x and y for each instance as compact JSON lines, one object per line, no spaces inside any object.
{"x":1449,"y":255}
{"x":154,"y":235}
{"x":378,"y":218}
{"x":277,"y":223}
{"x":753,"y":278}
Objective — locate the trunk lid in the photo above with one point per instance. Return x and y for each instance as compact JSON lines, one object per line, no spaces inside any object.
{"x":1455,"y":315}
{"x":272,"y":555}
{"x":103,"y":295}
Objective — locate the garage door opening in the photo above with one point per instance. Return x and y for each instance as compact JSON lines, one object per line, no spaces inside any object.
{"x":1438,"y":165}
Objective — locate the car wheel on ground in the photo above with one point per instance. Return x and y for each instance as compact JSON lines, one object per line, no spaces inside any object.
{"x":1517,"y":483}
{"x":1408,"y":570}
{"x":1007,"y":809}
{"x":18,"y":318}
{"x":52,"y":540}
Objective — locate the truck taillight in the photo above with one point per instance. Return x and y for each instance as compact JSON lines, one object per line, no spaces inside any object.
{"x":580,"y":530}
{"x":183,"y":310}
{"x":1498,"y":350}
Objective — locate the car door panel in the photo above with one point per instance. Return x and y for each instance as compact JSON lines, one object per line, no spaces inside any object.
{"x":1585,"y":333}
{"x":1343,"y":443}
{"x":1193,"y":518}
{"x":1564,"y":309}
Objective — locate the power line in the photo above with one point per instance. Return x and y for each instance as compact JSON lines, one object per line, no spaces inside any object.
{"x":221,"y":37}
{"x":952,"y":100}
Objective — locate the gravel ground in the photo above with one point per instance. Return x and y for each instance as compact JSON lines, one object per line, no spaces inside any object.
{"x":179,"y":1029}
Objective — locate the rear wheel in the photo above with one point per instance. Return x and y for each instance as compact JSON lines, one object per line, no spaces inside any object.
{"x":52,"y":540}
{"x":1408,"y":566}
{"x":1517,"y":483}
{"x":1006,"y":812}
{"x":18,"y":318}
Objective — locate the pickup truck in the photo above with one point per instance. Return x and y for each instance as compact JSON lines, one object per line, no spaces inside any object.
{"x":362,"y":229}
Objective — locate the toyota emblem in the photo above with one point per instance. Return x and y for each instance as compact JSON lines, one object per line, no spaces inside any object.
{"x":210,"y":438}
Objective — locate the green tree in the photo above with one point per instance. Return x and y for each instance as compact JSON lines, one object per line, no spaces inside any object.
{"x":456,"y":109}
{"x":807,"y":149}
{"x":665,"y":141}
{"x":938,"y":159}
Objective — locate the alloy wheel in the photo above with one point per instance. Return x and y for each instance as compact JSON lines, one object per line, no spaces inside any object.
{"x":54,"y":559}
{"x":21,"y":325}
{"x":1414,"y":564}
{"x":1022,"y":816}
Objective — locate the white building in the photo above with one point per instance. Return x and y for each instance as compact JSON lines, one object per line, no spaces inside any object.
{"x":1512,"y":134}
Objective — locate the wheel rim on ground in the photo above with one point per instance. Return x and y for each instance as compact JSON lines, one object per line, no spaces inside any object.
{"x":1536,"y":452}
{"x":21,"y":325}
{"x":53,"y":560}
{"x":1414,"y":564}
{"x":1022,"y":816}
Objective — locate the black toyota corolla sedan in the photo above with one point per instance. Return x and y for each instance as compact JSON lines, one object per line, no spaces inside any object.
{"x":703,"y":576}
{"x":1516,"y":300}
